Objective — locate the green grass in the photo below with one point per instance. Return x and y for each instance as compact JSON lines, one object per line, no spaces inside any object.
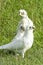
{"x":9,"y":19}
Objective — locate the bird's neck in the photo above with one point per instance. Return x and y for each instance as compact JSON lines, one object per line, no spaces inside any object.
{"x":29,"y":33}
{"x":26,"y":17}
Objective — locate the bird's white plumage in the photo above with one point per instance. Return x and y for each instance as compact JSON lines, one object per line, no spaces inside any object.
{"x":24,"y":38}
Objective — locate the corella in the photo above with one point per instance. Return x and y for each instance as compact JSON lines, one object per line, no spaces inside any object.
{"x":24,"y":37}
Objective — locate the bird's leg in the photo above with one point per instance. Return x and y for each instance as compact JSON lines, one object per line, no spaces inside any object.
{"x":23,"y":52}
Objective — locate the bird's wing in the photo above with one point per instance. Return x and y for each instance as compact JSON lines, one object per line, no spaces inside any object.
{"x":16,"y":44}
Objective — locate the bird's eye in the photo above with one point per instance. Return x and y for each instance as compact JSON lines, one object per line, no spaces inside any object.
{"x":30,"y":27}
{"x":22,"y":28}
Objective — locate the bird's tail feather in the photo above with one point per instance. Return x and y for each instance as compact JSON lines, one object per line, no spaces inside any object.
{"x":4,"y":46}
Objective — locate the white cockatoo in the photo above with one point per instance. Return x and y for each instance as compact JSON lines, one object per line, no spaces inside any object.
{"x":24,"y":38}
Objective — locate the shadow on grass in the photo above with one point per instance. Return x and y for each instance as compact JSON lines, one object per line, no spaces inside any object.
{"x":4,"y":53}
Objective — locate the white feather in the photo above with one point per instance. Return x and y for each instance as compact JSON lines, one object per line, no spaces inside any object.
{"x":24,"y":38}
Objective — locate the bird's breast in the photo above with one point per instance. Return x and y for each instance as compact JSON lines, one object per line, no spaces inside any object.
{"x":28,"y":41}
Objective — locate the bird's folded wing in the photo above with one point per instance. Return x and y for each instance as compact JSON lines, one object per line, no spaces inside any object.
{"x":16,"y":44}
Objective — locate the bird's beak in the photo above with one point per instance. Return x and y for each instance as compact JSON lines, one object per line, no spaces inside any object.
{"x":33,"y":27}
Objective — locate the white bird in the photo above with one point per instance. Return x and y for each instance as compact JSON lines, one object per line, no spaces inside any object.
{"x":24,"y":38}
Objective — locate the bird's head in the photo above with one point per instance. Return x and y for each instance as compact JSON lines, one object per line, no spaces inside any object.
{"x":22,"y":13}
{"x":31,"y":26}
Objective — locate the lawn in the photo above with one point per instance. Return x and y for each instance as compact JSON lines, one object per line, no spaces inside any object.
{"x":9,"y":20}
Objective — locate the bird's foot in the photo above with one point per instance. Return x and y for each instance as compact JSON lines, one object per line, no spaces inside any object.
{"x":22,"y":55}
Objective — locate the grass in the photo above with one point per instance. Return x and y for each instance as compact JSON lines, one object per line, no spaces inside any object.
{"x":9,"y":19}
